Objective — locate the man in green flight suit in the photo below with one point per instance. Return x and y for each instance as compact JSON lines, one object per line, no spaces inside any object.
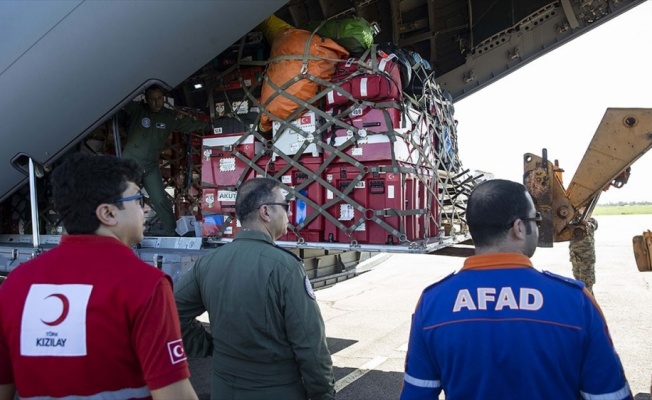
{"x":149,"y":125}
{"x":267,"y":334}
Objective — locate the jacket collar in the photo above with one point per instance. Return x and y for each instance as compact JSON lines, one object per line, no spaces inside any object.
{"x":89,"y":239}
{"x":497,"y":261}
{"x":254,"y":235}
{"x":263,"y":237}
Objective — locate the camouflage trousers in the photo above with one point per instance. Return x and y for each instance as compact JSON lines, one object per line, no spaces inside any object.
{"x":582,"y":256}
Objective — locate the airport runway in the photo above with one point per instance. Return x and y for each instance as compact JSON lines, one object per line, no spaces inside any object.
{"x":368,"y":317}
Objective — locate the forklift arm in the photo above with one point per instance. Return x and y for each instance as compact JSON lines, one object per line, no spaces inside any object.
{"x":623,"y":136}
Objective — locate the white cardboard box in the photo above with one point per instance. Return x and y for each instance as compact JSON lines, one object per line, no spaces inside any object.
{"x":188,"y":223}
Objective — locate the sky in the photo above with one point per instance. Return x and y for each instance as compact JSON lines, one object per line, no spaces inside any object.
{"x":557,"y":102}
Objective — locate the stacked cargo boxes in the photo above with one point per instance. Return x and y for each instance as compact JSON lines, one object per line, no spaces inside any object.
{"x":378,"y":156}
{"x":359,"y":164}
{"x":226,"y":155}
{"x":295,"y":159}
{"x":372,"y":205}
{"x":224,"y":167}
{"x":305,"y":194}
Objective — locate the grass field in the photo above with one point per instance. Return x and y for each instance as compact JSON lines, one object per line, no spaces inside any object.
{"x":623,"y":210}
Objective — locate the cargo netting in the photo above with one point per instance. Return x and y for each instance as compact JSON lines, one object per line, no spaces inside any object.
{"x":368,"y":158}
{"x":364,"y":159}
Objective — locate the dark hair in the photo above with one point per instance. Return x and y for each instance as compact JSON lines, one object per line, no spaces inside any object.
{"x":83,"y":181}
{"x":492,"y":207}
{"x":153,"y":88}
{"x":251,"y":194}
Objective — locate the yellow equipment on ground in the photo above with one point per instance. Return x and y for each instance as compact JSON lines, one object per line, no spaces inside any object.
{"x":642,"y":246}
{"x":623,"y":136}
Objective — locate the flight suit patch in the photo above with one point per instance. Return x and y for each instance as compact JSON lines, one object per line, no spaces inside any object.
{"x":309,"y":290}
{"x":160,"y":125}
{"x":146,"y":122}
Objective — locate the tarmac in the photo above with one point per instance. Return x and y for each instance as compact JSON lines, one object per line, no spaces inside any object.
{"x":368,"y":317}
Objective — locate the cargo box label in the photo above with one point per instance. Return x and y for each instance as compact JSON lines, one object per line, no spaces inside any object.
{"x":227,"y":164}
{"x":226,"y":195}
{"x":210,"y":199}
{"x":346,"y":212}
{"x":207,"y":154}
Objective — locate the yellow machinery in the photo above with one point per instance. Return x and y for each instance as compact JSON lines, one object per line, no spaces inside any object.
{"x":623,"y":136}
{"x":642,"y":246}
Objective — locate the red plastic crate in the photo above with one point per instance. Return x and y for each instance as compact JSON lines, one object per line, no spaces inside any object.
{"x":427,"y":193}
{"x":382,"y":192}
{"x":217,"y":200}
{"x":301,"y":210}
{"x":220,"y":166}
{"x":362,"y":82}
{"x":383,"y":136}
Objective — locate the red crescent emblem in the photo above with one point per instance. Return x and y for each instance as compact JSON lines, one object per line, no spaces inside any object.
{"x":64,"y":312}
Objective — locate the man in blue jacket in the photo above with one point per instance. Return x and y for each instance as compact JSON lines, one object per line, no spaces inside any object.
{"x":499,"y":329}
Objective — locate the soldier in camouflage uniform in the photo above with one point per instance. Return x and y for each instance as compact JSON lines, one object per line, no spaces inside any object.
{"x":582,"y":255}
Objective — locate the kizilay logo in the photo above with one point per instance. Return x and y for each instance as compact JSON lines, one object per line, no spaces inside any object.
{"x":54,"y":320}
{"x":52,"y":339}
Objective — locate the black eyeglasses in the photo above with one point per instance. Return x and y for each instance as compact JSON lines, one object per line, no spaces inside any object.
{"x":286,"y":205}
{"x":140,"y":197}
{"x":537,"y":218}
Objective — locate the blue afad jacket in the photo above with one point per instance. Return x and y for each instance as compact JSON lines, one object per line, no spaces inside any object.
{"x":499,"y":329}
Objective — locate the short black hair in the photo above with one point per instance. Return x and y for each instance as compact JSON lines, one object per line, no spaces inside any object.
{"x":154,"y":87}
{"x":252,"y":194}
{"x":492,"y":207}
{"x":83,"y":181}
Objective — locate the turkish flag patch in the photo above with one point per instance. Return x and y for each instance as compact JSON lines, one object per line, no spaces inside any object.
{"x":177,"y":353}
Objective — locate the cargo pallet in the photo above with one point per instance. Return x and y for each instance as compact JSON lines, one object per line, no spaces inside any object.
{"x":410,"y":139}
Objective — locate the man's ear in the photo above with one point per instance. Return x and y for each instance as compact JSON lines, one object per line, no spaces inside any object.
{"x":263,"y":213}
{"x":519,"y":229}
{"x":106,"y":214}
